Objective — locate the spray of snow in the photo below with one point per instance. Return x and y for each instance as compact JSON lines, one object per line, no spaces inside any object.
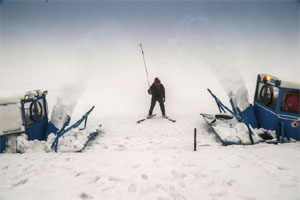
{"x":203,"y":48}
{"x":67,"y":100}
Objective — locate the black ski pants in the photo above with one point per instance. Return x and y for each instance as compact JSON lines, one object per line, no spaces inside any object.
{"x":161,"y":104}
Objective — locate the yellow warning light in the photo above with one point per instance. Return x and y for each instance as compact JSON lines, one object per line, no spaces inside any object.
{"x":267,"y":78}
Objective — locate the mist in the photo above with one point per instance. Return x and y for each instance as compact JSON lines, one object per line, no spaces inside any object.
{"x":87,"y":53}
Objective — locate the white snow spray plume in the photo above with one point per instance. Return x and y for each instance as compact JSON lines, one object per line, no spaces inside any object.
{"x":66,"y":101}
{"x":202,"y":46}
{"x":75,"y":84}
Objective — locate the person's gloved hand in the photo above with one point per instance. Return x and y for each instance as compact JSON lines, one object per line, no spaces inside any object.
{"x":163,"y":99}
{"x":149,"y":91}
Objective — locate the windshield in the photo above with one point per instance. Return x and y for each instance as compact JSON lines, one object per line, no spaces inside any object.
{"x":34,"y":111}
{"x":290,"y":101}
{"x":267,"y":94}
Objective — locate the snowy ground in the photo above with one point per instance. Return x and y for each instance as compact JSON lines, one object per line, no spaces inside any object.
{"x":87,"y":53}
{"x":154,"y":160}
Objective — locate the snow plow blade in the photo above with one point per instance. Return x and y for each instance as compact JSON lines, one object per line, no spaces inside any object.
{"x":223,"y":126}
{"x":232,"y":132}
{"x":236,"y":127}
{"x":90,"y":137}
{"x":85,"y":136}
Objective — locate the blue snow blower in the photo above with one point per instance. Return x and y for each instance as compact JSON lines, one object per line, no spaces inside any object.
{"x":29,"y":115}
{"x":273,"y":118}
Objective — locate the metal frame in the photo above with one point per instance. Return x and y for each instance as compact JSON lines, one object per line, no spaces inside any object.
{"x":63,"y":130}
{"x":240,"y":117}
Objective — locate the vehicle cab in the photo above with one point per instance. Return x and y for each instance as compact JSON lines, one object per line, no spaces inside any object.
{"x":277,"y":105}
{"x":23,"y":114}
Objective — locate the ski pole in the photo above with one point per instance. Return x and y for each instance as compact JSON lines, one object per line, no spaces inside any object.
{"x":145,"y":64}
{"x":195,"y":139}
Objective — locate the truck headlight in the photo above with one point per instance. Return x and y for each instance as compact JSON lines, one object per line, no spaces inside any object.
{"x":26,"y":97}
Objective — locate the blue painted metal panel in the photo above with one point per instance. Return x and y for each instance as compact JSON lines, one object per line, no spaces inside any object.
{"x":250,"y":117}
{"x":3,"y":140}
{"x":271,"y":119}
{"x":227,"y":143}
{"x":37,"y":130}
{"x":293,"y":132}
{"x":50,"y":129}
{"x":266,"y":118}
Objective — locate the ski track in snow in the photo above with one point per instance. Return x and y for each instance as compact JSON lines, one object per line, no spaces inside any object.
{"x":154,"y":160}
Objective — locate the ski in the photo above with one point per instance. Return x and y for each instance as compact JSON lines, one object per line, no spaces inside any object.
{"x":170,"y":119}
{"x":141,"y":120}
{"x":148,"y":117}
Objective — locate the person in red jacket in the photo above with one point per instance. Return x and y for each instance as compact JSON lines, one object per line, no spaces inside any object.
{"x":157,"y":90}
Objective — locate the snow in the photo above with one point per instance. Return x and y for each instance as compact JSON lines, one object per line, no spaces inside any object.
{"x":21,"y":144}
{"x":72,"y":141}
{"x":94,"y":59}
{"x":66,"y":101}
{"x":11,"y":99}
{"x":151,"y":160}
{"x":233,"y":131}
{"x":154,"y":160}
{"x":288,"y":84}
{"x":212,"y":53}
{"x":10,"y":118}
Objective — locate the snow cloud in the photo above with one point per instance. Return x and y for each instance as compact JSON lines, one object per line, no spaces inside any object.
{"x":201,"y":46}
{"x":67,"y":100}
